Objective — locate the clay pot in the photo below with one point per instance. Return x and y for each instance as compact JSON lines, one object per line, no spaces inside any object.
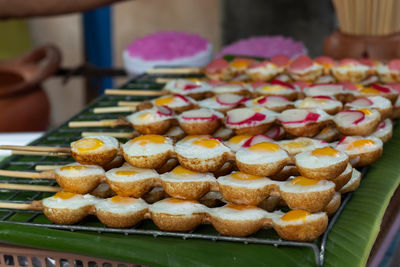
{"x":24,"y":104}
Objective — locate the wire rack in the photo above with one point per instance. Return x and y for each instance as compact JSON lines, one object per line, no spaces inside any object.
{"x":63,"y":136}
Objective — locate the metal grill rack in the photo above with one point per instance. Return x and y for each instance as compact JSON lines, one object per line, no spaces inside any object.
{"x":63,"y":136}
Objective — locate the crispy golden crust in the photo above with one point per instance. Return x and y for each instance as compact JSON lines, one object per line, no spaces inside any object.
{"x":183,"y":108}
{"x":308,"y":130}
{"x":341,"y":180}
{"x":186,"y":190}
{"x":132,"y":188}
{"x":79,"y":185}
{"x":365,"y":159}
{"x":308,"y":231}
{"x":203,"y":165}
{"x":292,"y":96}
{"x":386,"y":113}
{"x":117,"y":220}
{"x":311,"y":201}
{"x":222,"y":75}
{"x":148,"y":162}
{"x":333,"y":111}
{"x":396,"y":113}
{"x":198,"y":96}
{"x":160,"y":127}
{"x":235,"y":227}
{"x":260,"y":129}
{"x":176,"y":223}
{"x":242,"y":195}
{"x":324,"y":173}
{"x":362,"y":130}
{"x":389,"y":77}
{"x":262,"y":169}
{"x":282,"y":108}
{"x":95,"y":158}
{"x":200,"y":127}
{"x":243,"y":92}
{"x":66,"y":216}
{"x":333,"y":205}
{"x":350,"y":76}
{"x":307,"y":76}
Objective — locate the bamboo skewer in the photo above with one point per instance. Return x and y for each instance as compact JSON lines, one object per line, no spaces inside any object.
{"x":46,"y":167}
{"x":128,"y":135}
{"x":40,"y":153}
{"x":135,"y":92}
{"x":36,"y":148}
{"x":186,"y":70}
{"x":101,"y":123}
{"x":29,"y":175}
{"x":29,"y":187}
{"x":129,"y":103}
{"x":20,"y":206}
{"x":114,"y":109}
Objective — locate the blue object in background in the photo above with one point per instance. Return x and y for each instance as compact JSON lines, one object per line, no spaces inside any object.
{"x":98,"y":43}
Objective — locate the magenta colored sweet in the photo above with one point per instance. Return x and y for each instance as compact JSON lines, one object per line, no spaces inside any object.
{"x":265,"y":46}
{"x":167,"y":45}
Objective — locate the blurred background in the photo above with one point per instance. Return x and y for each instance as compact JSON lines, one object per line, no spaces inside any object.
{"x":220,"y":21}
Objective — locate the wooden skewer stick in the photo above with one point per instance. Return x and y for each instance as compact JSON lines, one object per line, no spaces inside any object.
{"x":41,"y":153}
{"x":30,"y":175}
{"x":101,"y":123}
{"x":114,"y":109}
{"x":29,"y":187}
{"x":135,"y":92}
{"x":166,"y":80}
{"x":129,"y":103}
{"x":46,"y":167}
{"x":188,"y":70}
{"x":17,"y":206}
{"x":113,"y":134}
{"x":36,"y":148}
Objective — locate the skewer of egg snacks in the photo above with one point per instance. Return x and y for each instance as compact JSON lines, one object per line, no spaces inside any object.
{"x":178,"y":215}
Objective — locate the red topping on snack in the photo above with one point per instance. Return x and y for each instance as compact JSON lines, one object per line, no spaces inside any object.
{"x":356,"y":116}
{"x":311,"y":117}
{"x":342,"y":140}
{"x":230,"y":100}
{"x":301,"y":63}
{"x":213,"y":117}
{"x":182,"y":97}
{"x":363,"y":101}
{"x":281,"y":60}
{"x":324,"y":60}
{"x":259,"y":138}
{"x":323,"y":97}
{"x":382,"y":125}
{"x":348,"y":61}
{"x":164,"y":111}
{"x":380,"y":87}
{"x":217,"y":65}
{"x":255,"y":117}
{"x":274,"y":132}
{"x":191,"y":86}
{"x":394,"y":86}
{"x":281,"y":83}
{"x":349,"y":86}
{"x":394,"y":65}
{"x":367,"y":62}
{"x":255,"y":85}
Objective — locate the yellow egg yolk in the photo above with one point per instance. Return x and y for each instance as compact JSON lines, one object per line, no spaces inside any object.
{"x":240,"y":64}
{"x":245,"y":176}
{"x":73,"y":168}
{"x":255,"y":100}
{"x":272,"y":88}
{"x":366,"y":111}
{"x":164,"y":101}
{"x":145,"y":116}
{"x":88,"y":144}
{"x":295,"y":215}
{"x":309,"y":102}
{"x":239,"y":207}
{"x":206,"y":143}
{"x":64,"y":195}
{"x":125,"y":172}
{"x":239,"y":138}
{"x":369,"y":90}
{"x":295,"y":145}
{"x":360,"y":143}
{"x":325,"y":151}
{"x":182,"y":171}
{"x":304,"y":181}
{"x":176,"y":200}
{"x":264,"y":147}
{"x":119,"y":199}
{"x":149,"y":139}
